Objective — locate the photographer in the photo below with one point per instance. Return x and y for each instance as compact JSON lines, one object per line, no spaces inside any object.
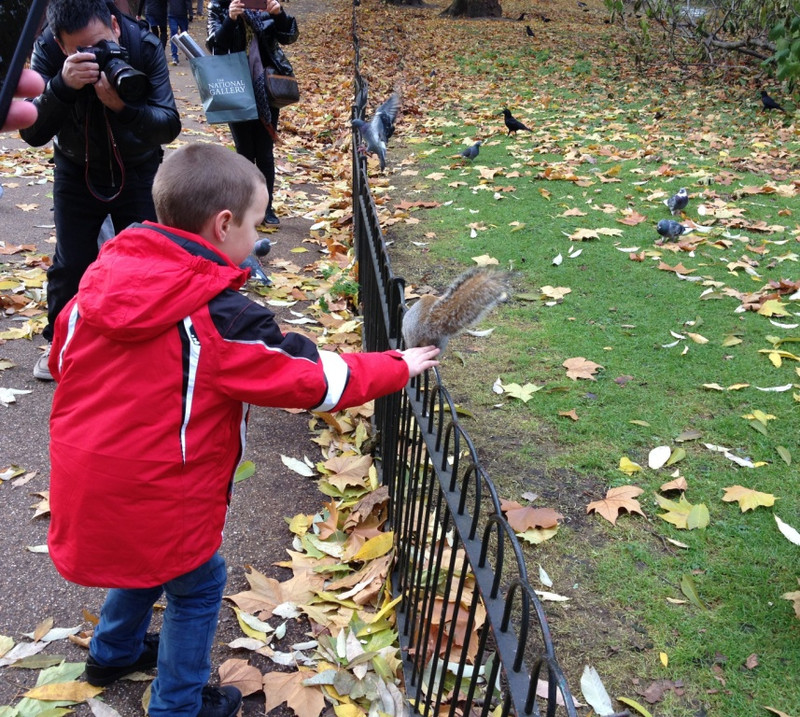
{"x":109,"y":105}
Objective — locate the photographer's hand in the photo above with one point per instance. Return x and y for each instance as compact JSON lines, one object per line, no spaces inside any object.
{"x":274,"y":7}
{"x":108,"y":95}
{"x":79,"y":70}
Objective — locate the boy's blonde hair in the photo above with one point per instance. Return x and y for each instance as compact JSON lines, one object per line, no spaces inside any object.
{"x":197,"y":181}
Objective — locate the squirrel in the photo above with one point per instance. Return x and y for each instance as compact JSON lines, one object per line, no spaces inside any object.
{"x":434,"y":321}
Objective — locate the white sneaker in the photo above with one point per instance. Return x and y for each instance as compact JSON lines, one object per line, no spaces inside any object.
{"x":41,"y":370}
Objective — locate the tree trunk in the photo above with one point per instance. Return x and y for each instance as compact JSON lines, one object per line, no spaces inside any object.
{"x":474,"y":8}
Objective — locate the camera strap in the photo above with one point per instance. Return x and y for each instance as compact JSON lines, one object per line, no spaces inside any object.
{"x":114,"y":153}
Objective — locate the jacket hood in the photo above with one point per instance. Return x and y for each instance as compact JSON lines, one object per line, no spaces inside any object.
{"x":149,"y":277}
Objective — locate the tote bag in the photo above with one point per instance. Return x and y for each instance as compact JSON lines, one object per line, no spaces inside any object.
{"x":225,"y":86}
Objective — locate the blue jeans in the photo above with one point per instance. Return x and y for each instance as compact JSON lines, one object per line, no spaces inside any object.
{"x":177,"y":25}
{"x":184,"y":651}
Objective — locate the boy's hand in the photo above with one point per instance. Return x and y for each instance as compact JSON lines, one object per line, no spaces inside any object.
{"x":420,"y":359}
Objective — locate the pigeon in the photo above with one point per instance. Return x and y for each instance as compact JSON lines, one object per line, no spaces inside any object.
{"x":380,"y":128}
{"x":513,"y":124}
{"x":472,"y":151}
{"x":262,"y":247}
{"x":521,"y":16}
{"x":769,"y":103}
{"x":677,"y":202}
{"x":256,"y":272}
{"x":669,"y":228}
{"x":528,"y":31}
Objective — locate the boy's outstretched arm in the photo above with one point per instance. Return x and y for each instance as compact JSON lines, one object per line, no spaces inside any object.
{"x":420,"y":359}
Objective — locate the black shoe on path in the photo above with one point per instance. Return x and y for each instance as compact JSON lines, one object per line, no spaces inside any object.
{"x":102,"y":675}
{"x":220,"y":701}
{"x":271,"y":218}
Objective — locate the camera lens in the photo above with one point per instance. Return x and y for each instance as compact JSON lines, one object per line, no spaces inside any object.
{"x":131,"y":85}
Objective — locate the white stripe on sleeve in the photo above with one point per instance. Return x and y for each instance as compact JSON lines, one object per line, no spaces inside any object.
{"x":337,"y":373}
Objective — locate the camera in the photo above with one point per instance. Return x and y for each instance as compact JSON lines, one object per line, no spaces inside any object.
{"x":130,"y":84}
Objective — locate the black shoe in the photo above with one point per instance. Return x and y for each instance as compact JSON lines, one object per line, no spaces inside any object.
{"x":271,"y":218}
{"x":102,"y":675}
{"x":220,"y":701}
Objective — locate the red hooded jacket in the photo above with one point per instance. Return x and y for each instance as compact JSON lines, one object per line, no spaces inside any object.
{"x":157,"y":359}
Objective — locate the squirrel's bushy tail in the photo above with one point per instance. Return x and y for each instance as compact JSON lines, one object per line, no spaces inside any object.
{"x":466,"y":301}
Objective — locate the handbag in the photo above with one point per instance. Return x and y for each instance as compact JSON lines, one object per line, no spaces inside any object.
{"x":278,"y":90}
{"x":225,"y":86}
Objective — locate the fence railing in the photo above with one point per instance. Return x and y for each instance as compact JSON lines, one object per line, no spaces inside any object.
{"x":473,"y":632}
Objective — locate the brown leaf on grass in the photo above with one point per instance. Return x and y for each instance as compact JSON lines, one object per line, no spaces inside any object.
{"x":288,"y":687}
{"x":522,"y":518}
{"x":583,"y":235}
{"x":237,"y":672}
{"x":751,"y":662}
{"x":678,"y":484}
{"x":655,"y":690}
{"x":632,"y":218}
{"x":795,"y":598}
{"x":679,"y":268}
{"x":616,"y":500}
{"x":580,"y":367}
{"x":777,"y":712}
{"x":569,"y":414}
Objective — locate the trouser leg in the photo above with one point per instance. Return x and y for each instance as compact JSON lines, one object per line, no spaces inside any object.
{"x":184,"y":654}
{"x":118,"y":638}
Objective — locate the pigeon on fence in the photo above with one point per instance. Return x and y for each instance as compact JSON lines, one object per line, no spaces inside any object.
{"x":472,"y":151}
{"x":769,"y":103}
{"x":512,"y":123}
{"x":669,"y":228}
{"x":380,"y":128}
{"x":677,"y":202}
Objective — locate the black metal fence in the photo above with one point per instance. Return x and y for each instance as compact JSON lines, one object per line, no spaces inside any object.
{"x":473,"y":633}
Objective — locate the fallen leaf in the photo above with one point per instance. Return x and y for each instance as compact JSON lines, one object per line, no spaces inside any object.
{"x":791,"y":534}
{"x":747,"y":498}
{"x":594,"y":692}
{"x":683,"y":514}
{"x":627,"y":466}
{"x":580,"y":367}
{"x":616,"y":500}
{"x":245,"y":677}
{"x":288,"y":687}
{"x":68,"y":691}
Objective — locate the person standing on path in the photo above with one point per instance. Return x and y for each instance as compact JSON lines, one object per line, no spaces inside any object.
{"x":106,"y":148}
{"x":178,"y":12}
{"x":230,"y":27}
{"x":155,"y":12}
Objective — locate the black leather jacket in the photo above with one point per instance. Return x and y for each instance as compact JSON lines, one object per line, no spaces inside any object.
{"x":226,"y":35}
{"x":65,"y":114}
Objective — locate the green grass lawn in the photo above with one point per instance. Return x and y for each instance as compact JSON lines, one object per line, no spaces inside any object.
{"x":607,"y":145}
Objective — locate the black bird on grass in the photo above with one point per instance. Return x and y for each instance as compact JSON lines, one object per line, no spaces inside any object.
{"x":769,"y":103}
{"x":512,"y":123}
{"x":521,"y":16}
{"x":472,"y":151}
{"x":528,"y":31}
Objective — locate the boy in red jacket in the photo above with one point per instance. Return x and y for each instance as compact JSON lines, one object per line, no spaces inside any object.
{"x":157,"y":359}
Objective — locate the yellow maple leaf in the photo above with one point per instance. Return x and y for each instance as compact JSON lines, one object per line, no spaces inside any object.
{"x":682,"y":514}
{"x":375,"y":547}
{"x":773,"y":307}
{"x":747,"y":498}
